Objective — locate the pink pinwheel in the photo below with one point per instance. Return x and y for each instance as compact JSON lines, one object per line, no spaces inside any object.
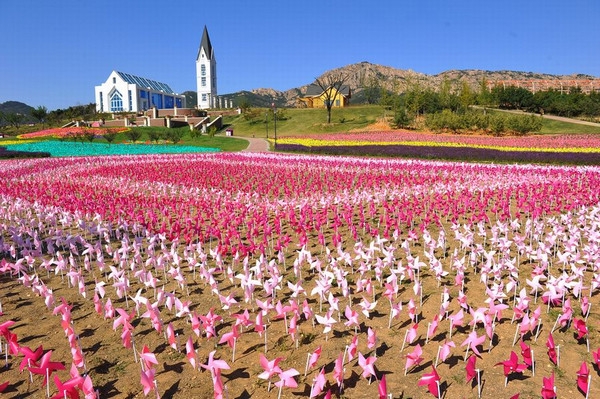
{"x":353,"y":347}
{"x":328,"y":321}
{"x":432,"y":327}
{"x":147,"y":380}
{"x":286,"y":379}
{"x":371,"y":338}
{"x":338,"y":370}
{"x":314,"y":357}
{"x":382,"y":388}
{"x":411,"y":334}
{"x":473,"y":341}
{"x":444,"y":350}
{"x":215,"y":367}
{"x":190,"y":352}
{"x":548,"y":387}
{"x":318,"y":384}
{"x":432,"y":381}
{"x":414,"y":358}
{"x":367,"y":365}
{"x":3,"y":386}
{"x":512,"y":365}
{"x":231,"y":336}
{"x":352,"y":317}
{"x":583,"y":376}
{"x":147,"y":358}
{"x":270,"y":367}
{"x":456,"y":320}
{"x":470,"y":368}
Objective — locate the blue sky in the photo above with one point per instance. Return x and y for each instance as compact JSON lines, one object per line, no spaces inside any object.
{"x":53,"y":53}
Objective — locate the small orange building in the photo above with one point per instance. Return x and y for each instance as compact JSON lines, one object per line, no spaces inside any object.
{"x":315,"y":97}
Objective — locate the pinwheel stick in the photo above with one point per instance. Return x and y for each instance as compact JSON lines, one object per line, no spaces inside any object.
{"x":439,"y":390}
{"x":437,"y":357}
{"x":404,"y":340}
{"x":306,"y":366}
{"x":589,"y":382}
{"x":516,"y":333}
{"x":233,"y":354}
{"x":532,"y":363}
{"x":478,"y":383}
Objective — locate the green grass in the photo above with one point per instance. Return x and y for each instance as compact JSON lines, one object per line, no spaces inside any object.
{"x":558,"y":127}
{"x":306,"y":120}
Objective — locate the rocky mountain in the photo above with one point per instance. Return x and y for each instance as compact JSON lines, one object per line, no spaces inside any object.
{"x":364,"y":73}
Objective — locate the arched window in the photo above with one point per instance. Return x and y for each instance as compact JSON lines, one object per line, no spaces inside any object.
{"x":203,"y":70}
{"x":116,"y":102}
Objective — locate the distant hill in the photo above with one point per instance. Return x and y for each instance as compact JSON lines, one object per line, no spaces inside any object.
{"x":16,"y":107}
{"x":360,"y":74}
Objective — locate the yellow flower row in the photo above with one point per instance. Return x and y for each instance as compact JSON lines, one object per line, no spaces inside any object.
{"x":14,"y":142}
{"x":335,"y":143}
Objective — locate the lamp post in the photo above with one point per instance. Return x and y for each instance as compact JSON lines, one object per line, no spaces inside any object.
{"x":275,"y":125}
{"x":267,"y":123}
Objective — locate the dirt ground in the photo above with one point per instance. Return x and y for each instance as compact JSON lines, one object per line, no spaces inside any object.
{"x":115,"y":374}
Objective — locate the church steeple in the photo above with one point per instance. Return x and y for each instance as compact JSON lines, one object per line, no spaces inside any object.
{"x":205,"y":45}
{"x":206,"y":73}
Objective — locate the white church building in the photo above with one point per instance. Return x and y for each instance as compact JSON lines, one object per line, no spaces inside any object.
{"x":124,"y":92}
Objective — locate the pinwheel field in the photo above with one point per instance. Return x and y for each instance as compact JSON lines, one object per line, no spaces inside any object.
{"x":238,"y":275}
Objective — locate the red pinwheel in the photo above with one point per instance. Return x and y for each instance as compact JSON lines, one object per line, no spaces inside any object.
{"x":583,"y":379}
{"x":432,"y":380}
{"x":527,"y":355}
{"x":551,"y":349}
{"x":47,"y":367}
{"x":512,"y":366}
{"x":580,"y":327}
{"x":548,"y":388}
{"x":470,"y":368}
{"x":596,"y":357}
{"x":382,"y":388}
{"x":4,"y":386}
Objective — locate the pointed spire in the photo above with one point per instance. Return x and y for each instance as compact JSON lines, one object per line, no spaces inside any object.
{"x":206,"y":45}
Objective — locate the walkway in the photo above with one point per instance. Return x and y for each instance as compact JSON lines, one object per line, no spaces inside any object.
{"x":256,"y":144}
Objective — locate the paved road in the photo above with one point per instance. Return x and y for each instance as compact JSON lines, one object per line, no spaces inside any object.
{"x":256,"y":145}
{"x":553,"y":117}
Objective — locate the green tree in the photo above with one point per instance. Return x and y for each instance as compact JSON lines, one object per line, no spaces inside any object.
{"x":133,"y":134}
{"x":14,"y":119}
{"x":175,"y":135}
{"x":110,"y":136}
{"x":40,"y":114}
{"x":466,"y":97}
{"x":371,"y":89}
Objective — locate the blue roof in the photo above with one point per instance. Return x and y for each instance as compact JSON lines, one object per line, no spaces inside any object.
{"x":143,"y":82}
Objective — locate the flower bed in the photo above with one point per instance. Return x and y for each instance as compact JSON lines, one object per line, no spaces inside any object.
{"x":69,"y":149}
{"x":60,"y":132}
{"x":457,"y":153}
{"x":555,"y":143}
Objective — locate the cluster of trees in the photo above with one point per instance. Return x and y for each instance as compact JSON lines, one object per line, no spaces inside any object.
{"x":456,"y":100}
{"x":573,"y":103}
{"x":475,"y":120}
